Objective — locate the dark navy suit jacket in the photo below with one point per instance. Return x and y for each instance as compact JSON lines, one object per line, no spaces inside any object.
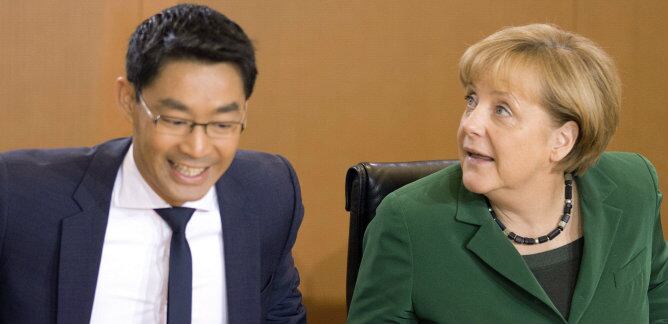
{"x":54,"y":206}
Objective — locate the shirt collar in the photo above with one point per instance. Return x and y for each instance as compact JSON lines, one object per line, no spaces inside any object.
{"x":132,"y":191}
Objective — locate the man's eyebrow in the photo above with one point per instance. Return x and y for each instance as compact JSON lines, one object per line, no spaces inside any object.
{"x":227,"y":108}
{"x":173,"y":104}
{"x":177,"y":105}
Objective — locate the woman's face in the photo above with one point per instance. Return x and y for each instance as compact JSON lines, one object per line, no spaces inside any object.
{"x":505,"y":136}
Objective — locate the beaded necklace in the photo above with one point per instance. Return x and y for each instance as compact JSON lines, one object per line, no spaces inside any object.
{"x":568,"y":204}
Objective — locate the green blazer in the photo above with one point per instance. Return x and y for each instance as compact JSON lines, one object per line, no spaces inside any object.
{"x":433,"y":254}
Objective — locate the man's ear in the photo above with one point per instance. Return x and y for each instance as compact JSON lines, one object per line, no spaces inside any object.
{"x":245,"y":121}
{"x":125,"y":97}
{"x":564,"y":140}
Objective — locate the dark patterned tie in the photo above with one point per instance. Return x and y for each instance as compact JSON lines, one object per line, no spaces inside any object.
{"x":179,"y":293}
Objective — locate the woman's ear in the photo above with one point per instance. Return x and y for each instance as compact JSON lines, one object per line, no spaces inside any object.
{"x":125,"y":98}
{"x":564,"y":140}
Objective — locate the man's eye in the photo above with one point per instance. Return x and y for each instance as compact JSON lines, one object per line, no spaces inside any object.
{"x":222,"y":125}
{"x":175,"y":122}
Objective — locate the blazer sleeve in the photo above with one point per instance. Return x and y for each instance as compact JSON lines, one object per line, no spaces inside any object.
{"x":658,"y":283}
{"x":384,"y":283}
{"x":285,"y":298}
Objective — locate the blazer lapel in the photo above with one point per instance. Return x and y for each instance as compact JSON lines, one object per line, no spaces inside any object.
{"x":492,"y":247}
{"x":241,"y":241}
{"x":82,"y":234}
{"x":600,"y":221}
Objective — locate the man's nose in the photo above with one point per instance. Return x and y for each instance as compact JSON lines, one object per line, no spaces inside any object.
{"x":196,"y":143}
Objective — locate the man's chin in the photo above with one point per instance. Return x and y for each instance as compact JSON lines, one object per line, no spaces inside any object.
{"x":180,"y":198}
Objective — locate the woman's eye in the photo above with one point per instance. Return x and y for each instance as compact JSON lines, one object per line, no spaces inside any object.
{"x":471,"y":101}
{"x":502,"y":111}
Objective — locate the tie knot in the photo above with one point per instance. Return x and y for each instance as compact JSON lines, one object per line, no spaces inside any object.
{"x":176,"y":217}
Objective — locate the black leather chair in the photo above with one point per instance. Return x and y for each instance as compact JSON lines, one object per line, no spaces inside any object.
{"x":367,"y":184}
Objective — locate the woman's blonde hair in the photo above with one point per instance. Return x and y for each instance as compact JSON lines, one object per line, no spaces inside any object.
{"x":578,"y":81}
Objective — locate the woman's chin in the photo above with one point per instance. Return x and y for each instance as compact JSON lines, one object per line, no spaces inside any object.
{"x":475,"y":184}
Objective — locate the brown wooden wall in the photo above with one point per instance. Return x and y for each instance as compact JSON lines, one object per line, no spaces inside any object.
{"x":340,"y":82}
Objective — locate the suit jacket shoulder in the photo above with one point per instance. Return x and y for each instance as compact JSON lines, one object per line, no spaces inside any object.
{"x":50,"y":168}
{"x":442,"y":186}
{"x":252,"y":168}
{"x":53,"y":207}
{"x":626,"y":181}
{"x":626,"y":169}
{"x":269,"y":186}
{"x":428,"y":201}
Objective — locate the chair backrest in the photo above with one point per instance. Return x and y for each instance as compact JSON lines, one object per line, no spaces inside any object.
{"x":367,"y":184}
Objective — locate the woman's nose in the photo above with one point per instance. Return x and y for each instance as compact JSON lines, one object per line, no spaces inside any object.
{"x":473,"y":121}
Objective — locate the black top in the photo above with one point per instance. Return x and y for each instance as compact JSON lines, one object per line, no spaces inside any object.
{"x":557,"y":272}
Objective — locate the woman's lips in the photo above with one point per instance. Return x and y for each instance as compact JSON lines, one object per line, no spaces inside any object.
{"x":474,"y":155}
{"x":479,"y":156}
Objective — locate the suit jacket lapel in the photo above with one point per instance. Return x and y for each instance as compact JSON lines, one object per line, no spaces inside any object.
{"x":241,"y":239}
{"x":492,"y":247}
{"x":82,"y":234}
{"x":600,"y":220}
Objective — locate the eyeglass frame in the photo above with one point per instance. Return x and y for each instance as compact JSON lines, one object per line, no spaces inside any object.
{"x":189,"y":122}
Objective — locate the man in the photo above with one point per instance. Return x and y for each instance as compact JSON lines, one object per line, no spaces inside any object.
{"x":172,"y":225}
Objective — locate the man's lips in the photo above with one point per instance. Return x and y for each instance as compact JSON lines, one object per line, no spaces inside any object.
{"x":188,"y":171}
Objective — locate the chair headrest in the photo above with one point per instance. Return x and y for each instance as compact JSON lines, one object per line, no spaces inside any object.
{"x":375,"y":180}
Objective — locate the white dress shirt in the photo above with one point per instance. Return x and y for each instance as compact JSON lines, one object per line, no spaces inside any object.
{"x":133,"y":277}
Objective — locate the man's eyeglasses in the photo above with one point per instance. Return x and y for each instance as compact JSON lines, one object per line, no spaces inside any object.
{"x":181,"y":127}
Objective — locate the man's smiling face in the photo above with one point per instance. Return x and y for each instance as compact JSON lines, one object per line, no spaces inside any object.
{"x":183,"y":168}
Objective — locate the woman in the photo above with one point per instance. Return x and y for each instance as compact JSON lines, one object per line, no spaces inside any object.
{"x":535,"y":224}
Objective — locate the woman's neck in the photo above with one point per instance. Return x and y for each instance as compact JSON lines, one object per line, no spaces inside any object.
{"x":534,"y":208}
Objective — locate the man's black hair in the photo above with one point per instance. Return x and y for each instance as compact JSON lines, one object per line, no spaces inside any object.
{"x":191,"y":32}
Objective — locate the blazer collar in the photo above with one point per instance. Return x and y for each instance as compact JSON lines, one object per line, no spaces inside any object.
{"x":82,"y":234}
{"x":241,"y":244}
{"x":493,"y":248}
{"x":600,"y":220}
